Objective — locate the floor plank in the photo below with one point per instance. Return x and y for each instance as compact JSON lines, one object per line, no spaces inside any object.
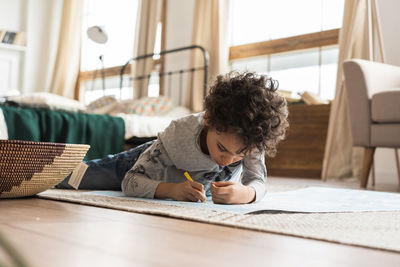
{"x":52,"y":233}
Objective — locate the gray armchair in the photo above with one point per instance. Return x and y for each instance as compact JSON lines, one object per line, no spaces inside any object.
{"x":373,"y":93}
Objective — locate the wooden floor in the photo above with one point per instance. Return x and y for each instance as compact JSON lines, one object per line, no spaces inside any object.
{"x":51,"y":233}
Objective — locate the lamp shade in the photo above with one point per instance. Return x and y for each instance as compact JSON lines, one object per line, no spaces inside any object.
{"x":97,"y":34}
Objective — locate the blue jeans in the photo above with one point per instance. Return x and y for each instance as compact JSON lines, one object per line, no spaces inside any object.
{"x":107,"y":173}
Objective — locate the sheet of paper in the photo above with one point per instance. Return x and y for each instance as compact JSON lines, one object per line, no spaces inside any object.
{"x":310,"y":199}
{"x":77,"y":175}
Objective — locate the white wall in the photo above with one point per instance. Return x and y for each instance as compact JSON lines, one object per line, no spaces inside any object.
{"x":12,"y":18}
{"x":12,"y":15}
{"x":390,"y":20}
{"x":40,"y":19}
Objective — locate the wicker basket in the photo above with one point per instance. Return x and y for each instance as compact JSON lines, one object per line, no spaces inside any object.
{"x":28,"y":168}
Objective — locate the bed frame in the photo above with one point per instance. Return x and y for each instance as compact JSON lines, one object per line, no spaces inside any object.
{"x":168,"y":75}
{"x":33,"y":131}
{"x":168,"y":78}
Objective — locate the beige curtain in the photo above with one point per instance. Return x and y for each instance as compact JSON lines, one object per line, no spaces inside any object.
{"x":67,"y":64}
{"x":209,"y":31}
{"x":341,"y":160}
{"x":148,"y":18}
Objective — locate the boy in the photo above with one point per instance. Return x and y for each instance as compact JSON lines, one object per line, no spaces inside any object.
{"x":244,"y":119}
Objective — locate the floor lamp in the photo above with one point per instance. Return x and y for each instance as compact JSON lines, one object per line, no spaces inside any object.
{"x":98,"y":35}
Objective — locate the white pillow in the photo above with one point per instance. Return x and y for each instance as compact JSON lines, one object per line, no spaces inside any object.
{"x":48,"y":100}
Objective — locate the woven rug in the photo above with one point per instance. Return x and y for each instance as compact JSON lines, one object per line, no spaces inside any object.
{"x":379,"y":230}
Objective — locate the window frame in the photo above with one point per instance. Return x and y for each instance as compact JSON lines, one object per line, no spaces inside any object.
{"x":296,"y":43}
{"x":292,"y":43}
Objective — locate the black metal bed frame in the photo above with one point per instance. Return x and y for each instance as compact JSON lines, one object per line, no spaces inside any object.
{"x":180,"y":72}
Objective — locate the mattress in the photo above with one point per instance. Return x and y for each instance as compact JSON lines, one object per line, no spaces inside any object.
{"x":149,"y":126}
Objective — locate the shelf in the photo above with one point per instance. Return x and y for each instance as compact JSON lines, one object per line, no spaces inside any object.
{"x":13,"y":47}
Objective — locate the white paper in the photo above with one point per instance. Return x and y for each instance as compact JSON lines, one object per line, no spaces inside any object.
{"x":310,"y":199}
{"x":77,"y":174}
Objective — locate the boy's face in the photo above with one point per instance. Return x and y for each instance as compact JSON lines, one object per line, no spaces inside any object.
{"x":225,"y":148}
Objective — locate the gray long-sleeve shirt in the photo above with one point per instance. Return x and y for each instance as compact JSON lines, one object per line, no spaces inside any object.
{"x":177,"y":150}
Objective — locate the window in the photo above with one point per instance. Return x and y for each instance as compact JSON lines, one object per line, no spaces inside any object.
{"x":293,"y":41}
{"x":118,"y":19}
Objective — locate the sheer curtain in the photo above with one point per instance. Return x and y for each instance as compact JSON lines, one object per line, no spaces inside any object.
{"x":210,"y":26}
{"x":66,"y":68}
{"x":148,"y":18}
{"x":356,"y":40}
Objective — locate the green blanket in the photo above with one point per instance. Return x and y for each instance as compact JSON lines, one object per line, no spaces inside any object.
{"x":104,"y":134}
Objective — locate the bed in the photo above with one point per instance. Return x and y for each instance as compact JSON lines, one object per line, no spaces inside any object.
{"x":108,"y":133}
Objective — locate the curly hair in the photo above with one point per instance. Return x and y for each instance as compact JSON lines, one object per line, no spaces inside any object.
{"x":247,"y":104}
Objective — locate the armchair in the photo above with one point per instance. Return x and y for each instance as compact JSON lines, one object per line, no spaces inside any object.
{"x":373,"y":93}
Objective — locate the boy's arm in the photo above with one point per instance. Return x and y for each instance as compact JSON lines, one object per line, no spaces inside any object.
{"x":255,"y":174}
{"x":147,"y":173}
{"x":138,"y":185}
{"x":252,"y":187}
{"x":147,"y":178}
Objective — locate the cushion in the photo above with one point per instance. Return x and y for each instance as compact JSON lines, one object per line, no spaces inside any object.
{"x":102,"y":105}
{"x":385,"y":135}
{"x":385,"y":106}
{"x":48,"y":100}
{"x":148,"y":106}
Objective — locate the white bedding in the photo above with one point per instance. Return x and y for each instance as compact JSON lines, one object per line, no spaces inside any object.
{"x":148,"y":126}
{"x":135,"y":125}
{"x":3,"y":126}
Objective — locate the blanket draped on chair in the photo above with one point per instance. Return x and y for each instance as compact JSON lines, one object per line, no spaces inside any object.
{"x":104,"y":133}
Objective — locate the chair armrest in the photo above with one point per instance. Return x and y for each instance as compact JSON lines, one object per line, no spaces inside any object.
{"x":363,"y":79}
{"x":378,"y":77}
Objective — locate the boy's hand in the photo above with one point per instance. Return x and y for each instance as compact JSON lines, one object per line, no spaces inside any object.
{"x":231,"y":193}
{"x":188,"y":191}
